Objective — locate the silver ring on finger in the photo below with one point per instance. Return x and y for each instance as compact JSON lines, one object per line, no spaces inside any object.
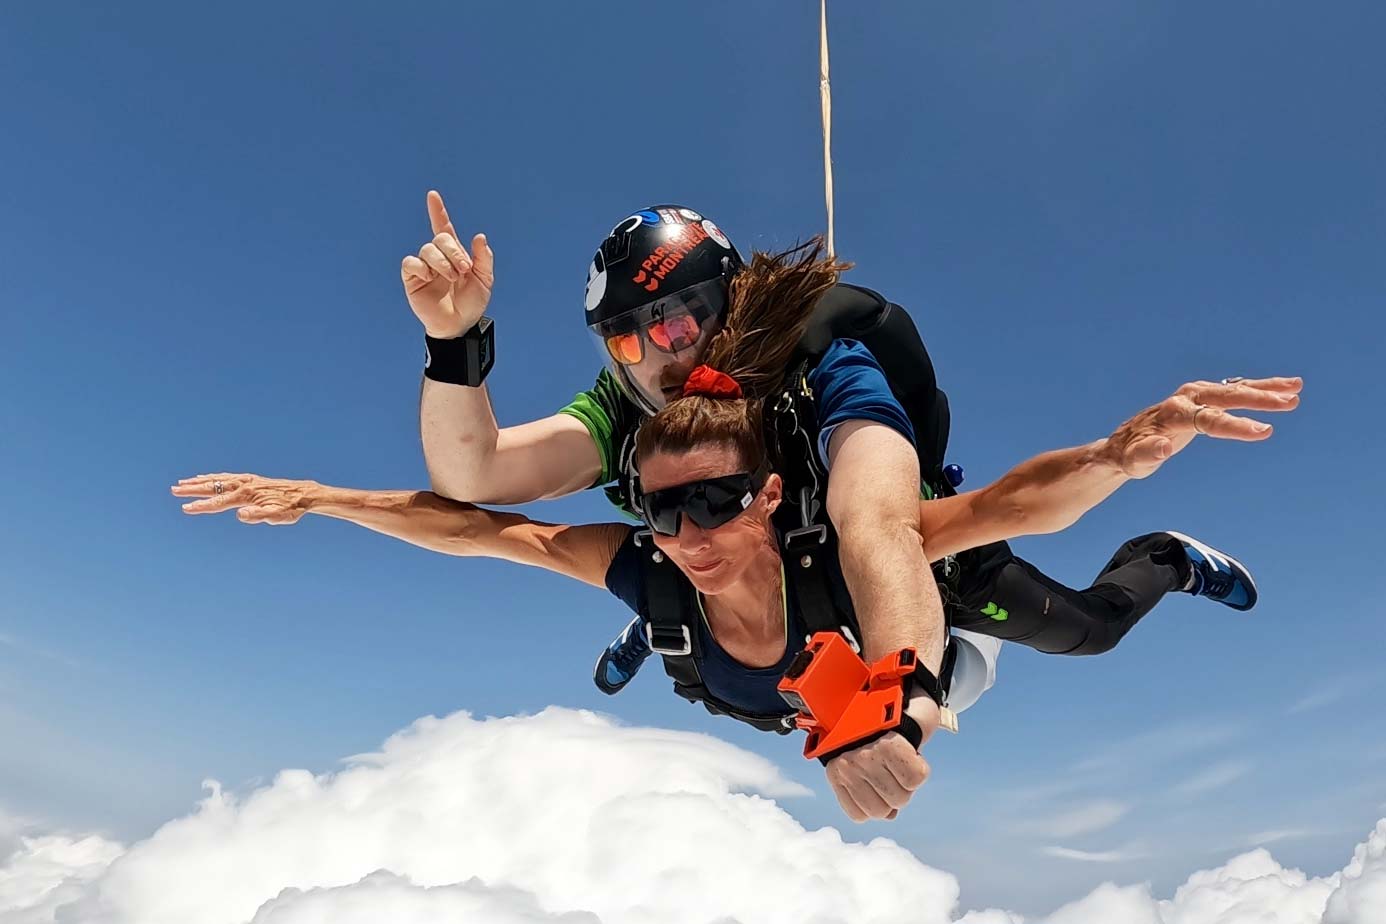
{"x":218,"y":487}
{"x":1199,"y":410}
{"x":1233,"y":379}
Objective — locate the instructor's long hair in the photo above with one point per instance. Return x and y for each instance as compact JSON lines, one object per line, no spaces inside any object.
{"x":768,"y":309}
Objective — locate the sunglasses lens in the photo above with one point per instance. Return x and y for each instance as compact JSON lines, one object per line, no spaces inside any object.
{"x":721,"y":500}
{"x":625,"y":348}
{"x":710,"y":504}
{"x":662,"y":515}
{"x":673,"y":334}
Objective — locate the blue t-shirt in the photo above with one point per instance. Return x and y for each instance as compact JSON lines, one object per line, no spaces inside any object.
{"x":848,"y":384}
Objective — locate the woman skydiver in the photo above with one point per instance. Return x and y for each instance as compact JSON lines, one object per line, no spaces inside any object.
{"x":712,"y":500}
{"x":656,"y":296}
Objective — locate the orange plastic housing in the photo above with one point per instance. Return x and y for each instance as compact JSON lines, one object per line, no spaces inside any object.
{"x":840,"y":699}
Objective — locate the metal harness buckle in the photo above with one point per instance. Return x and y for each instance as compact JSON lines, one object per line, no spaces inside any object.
{"x":685,"y":649}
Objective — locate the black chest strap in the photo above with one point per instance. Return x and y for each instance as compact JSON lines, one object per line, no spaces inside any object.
{"x":672,"y":610}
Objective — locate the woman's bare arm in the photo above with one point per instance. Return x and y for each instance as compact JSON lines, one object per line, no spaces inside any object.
{"x":420,"y":518}
{"x":1051,"y":491}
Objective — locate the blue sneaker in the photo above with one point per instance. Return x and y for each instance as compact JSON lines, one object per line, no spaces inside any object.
{"x":1217,"y":575}
{"x":622,"y":659}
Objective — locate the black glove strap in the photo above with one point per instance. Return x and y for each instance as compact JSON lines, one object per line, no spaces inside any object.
{"x":908,"y":729}
{"x":921,"y":681}
{"x":462,"y":360}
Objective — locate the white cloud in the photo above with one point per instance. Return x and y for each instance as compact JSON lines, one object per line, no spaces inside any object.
{"x":1214,"y":777}
{"x":563,"y":811}
{"x":11,"y":827}
{"x":1264,"y":838}
{"x":1123,"y":855}
{"x":1362,"y":897}
{"x":1251,"y":887}
{"x":567,"y":818}
{"x":385,"y":897}
{"x":1083,"y":819}
{"x":45,"y":872}
{"x":1328,"y":694}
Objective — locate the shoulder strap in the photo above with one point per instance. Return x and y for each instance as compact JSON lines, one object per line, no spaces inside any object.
{"x":670,"y":610}
{"x":792,"y":427}
{"x":627,"y":487}
{"x":809,"y":554}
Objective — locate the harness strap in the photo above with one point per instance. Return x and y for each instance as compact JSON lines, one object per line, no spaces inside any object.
{"x":667,"y":602}
{"x":671,"y":605}
{"x":808,"y":550}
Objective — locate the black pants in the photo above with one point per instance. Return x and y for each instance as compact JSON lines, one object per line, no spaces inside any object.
{"x":1000,"y":595}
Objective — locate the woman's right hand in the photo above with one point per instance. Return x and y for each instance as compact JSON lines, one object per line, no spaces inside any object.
{"x":447,"y":288}
{"x":276,"y":501}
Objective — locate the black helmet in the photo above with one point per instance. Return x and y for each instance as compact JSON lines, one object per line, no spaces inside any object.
{"x":656,"y":294}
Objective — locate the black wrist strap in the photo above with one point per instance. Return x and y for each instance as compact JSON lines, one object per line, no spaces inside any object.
{"x":462,"y":360}
{"x":924,"y":681}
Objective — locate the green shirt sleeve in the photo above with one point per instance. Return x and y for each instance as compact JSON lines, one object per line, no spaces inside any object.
{"x":608,"y":416}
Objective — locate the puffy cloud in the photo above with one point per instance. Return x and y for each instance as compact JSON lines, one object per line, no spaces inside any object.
{"x":1361,"y":899}
{"x":568,"y":818}
{"x":384,"y":896}
{"x":46,"y":872}
{"x":562,"y":811}
{"x":1251,"y":887}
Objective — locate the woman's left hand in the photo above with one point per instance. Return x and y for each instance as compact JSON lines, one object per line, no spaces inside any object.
{"x":1145,"y":442}
{"x":276,"y":501}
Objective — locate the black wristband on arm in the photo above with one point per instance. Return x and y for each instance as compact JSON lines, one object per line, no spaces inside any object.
{"x":462,"y":360}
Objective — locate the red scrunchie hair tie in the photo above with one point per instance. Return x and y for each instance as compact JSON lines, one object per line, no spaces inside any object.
{"x":707,"y":382}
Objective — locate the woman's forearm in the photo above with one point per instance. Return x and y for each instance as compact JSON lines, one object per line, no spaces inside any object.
{"x":1051,"y":491}
{"x":1041,"y":495}
{"x":452,"y":527}
{"x":418,"y":517}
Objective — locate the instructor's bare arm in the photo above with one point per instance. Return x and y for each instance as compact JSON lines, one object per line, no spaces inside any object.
{"x":420,"y":518}
{"x":469,"y":457}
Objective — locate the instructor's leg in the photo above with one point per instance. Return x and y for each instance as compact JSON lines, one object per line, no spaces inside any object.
{"x":1008,"y":598}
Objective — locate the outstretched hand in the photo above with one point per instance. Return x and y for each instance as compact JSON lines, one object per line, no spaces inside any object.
{"x":447,"y":287}
{"x":1148,"y":440}
{"x":276,"y":501}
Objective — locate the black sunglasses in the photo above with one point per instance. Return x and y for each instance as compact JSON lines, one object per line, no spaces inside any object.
{"x":710,"y":503}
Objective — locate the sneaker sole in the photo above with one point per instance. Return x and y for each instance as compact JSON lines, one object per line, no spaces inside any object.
{"x":596,"y":674}
{"x":1207,"y":549}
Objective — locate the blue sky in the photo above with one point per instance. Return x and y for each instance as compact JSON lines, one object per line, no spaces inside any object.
{"x":1082,"y":205}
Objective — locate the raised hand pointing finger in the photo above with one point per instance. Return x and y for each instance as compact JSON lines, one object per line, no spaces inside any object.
{"x":448,"y":289}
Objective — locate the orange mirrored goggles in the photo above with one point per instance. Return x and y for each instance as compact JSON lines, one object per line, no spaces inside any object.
{"x":669,"y":335}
